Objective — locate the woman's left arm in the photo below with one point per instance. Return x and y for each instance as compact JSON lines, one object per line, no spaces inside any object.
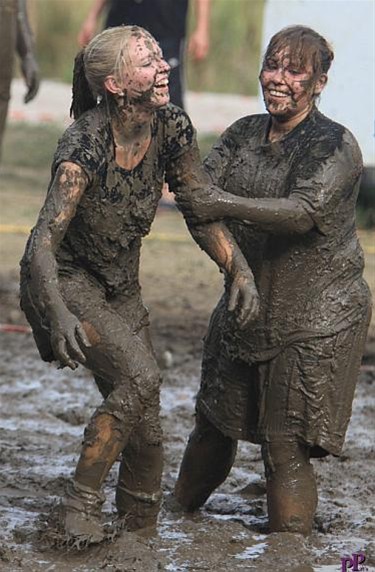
{"x":284,"y":215}
{"x":190,"y":185}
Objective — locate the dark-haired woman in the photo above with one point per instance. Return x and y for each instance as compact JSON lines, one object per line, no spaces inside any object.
{"x":287,"y":381}
{"x":80,"y":281}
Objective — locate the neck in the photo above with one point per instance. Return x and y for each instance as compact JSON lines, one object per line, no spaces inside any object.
{"x":132,"y":135}
{"x":131,"y":123}
{"x":281,"y":126}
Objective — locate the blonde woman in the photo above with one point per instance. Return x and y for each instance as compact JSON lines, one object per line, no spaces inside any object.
{"x":80,"y":272}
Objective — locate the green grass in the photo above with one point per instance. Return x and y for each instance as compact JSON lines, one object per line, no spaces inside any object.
{"x":30,"y":146}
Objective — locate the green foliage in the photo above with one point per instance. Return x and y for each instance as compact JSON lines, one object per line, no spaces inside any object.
{"x":231,"y":67}
{"x":57,"y":26}
{"x":233,"y":62}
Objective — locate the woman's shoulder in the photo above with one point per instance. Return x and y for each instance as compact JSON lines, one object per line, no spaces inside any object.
{"x":333,"y":136}
{"x":175,"y":128}
{"x":173,"y":118}
{"x":246,"y":128}
{"x":83,"y":141}
{"x":332,"y":129}
{"x":90,"y":124}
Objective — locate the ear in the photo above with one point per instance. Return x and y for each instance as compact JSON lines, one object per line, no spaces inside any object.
{"x":320,"y":84}
{"x":112,"y":86}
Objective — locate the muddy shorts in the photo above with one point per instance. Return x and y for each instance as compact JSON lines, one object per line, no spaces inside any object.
{"x":304,"y":393}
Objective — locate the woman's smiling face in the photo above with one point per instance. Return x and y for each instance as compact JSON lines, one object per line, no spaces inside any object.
{"x":288,"y":89}
{"x":145,"y":79}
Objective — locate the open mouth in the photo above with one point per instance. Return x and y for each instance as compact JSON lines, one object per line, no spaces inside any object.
{"x":277,"y":93}
{"x":162,"y":84}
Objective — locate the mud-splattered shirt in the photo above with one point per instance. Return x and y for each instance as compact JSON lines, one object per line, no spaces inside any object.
{"x":119,"y":205}
{"x":310,"y":285}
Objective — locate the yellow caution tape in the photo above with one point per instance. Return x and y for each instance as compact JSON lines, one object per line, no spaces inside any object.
{"x":162,"y":236}
{"x":157,"y":236}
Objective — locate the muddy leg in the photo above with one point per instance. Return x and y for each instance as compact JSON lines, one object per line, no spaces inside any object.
{"x":291,"y":487}
{"x":105,"y":437}
{"x":207,"y":461}
{"x":138,"y":493}
{"x":126,"y":372}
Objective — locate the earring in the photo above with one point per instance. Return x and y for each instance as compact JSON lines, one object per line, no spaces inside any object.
{"x":121,"y":93}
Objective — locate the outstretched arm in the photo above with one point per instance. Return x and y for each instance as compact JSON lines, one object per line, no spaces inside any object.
{"x":188,"y":181}
{"x":284,"y":215}
{"x":25,"y":50}
{"x":59,"y":208}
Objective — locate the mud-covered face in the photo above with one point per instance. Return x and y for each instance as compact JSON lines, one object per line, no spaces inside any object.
{"x":146,"y":76}
{"x":288,"y":88}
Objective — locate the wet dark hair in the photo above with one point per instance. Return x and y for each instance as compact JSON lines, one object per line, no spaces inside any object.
{"x":304,"y":46}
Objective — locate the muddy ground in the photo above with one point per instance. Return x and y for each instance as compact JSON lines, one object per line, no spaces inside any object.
{"x":43,"y":415}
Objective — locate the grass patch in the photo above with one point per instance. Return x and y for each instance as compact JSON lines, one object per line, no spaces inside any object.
{"x":30,"y":146}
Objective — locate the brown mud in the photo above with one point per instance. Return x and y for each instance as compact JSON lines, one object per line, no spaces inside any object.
{"x":44,"y":412}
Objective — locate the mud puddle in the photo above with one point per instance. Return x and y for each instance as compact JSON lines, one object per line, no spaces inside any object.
{"x":44,"y":412}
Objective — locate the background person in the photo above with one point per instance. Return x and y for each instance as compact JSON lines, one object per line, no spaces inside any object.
{"x":287,"y":381}
{"x":80,"y":286}
{"x":166,"y":20}
{"x":15,"y":36}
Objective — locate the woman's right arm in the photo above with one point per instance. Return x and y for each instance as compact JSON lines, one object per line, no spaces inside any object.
{"x":59,"y":208}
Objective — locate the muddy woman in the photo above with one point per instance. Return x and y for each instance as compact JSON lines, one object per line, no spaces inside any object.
{"x":286,"y":381}
{"x":80,"y":272}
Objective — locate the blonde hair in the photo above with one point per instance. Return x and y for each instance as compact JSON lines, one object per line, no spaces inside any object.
{"x":107,"y":54}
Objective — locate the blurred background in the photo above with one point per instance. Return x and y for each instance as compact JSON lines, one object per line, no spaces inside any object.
{"x":232,"y":64}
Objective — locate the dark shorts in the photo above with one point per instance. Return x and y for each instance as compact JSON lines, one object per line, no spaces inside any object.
{"x":304,"y":393}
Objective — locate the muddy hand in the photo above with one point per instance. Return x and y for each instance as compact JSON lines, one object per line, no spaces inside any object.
{"x":67,"y":339}
{"x":30,"y":72}
{"x":244,"y":298}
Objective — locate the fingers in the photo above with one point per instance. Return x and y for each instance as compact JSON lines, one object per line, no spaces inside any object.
{"x":82,"y":336}
{"x":245,"y":299}
{"x":33,"y":89}
{"x":249,"y":309}
{"x":233,"y":299}
{"x":67,"y":348}
{"x":61,"y":354}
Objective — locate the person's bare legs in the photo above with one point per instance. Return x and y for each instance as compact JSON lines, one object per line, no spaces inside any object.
{"x":206,"y":463}
{"x":291,"y":487}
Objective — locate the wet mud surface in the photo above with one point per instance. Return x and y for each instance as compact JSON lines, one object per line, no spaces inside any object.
{"x":43,"y":415}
